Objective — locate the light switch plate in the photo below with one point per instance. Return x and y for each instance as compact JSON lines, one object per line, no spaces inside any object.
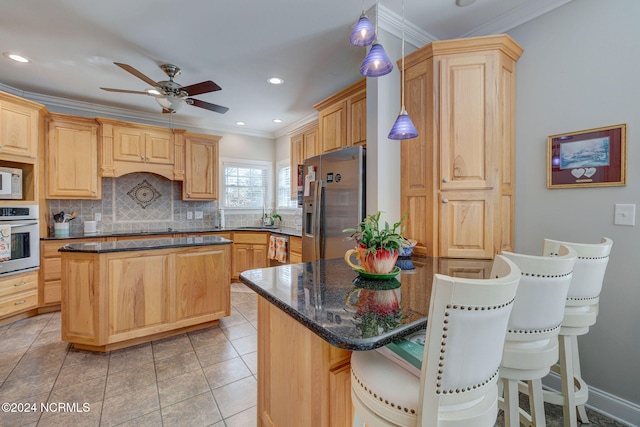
{"x":198,"y":214}
{"x":624,"y":214}
{"x":189,"y":215}
{"x":97,"y":216}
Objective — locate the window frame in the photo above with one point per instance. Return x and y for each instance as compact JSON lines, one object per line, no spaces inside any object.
{"x":256,"y":164}
{"x":282,"y":164}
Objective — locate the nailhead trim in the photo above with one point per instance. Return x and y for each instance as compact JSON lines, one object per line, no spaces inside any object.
{"x":547,"y":275}
{"x":583,"y":257}
{"x":534,"y":331}
{"x":383,"y":400}
{"x":582,"y":298}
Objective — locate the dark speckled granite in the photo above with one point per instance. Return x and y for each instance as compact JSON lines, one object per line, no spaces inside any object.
{"x":330,"y":299}
{"x":284,"y":231}
{"x":144,"y":244}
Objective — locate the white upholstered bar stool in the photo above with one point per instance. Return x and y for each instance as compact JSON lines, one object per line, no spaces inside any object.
{"x":531,"y":345}
{"x":580,"y":313}
{"x":463,"y":347}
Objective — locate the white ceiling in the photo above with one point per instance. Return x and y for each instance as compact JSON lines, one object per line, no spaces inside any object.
{"x":238,"y":44}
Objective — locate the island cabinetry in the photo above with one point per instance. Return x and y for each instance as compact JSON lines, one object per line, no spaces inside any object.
{"x":342,"y":118}
{"x":318,"y":377}
{"x":50,"y":273}
{"x":19,"y":128}
{"x":132,"y":147}
{"x":201,"y":167}
{"x":458,"y":176}
{"x":18,"y":294}
{"x":72,"y":158}
{"x":117,"y":299}
{"x":249,"y":251}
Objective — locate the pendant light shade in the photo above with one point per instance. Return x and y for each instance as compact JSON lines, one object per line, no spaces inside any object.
{"x":403,"y":128}
{"x":376,"y":63}
{"x":363,"y":33}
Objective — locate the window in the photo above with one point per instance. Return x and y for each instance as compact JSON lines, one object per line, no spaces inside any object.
{"x":246,"y":184}
{"x":284,"y":187}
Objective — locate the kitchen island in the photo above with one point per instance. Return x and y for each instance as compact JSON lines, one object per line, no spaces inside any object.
{"x":117,"y":294}
{"x":312,"y":315}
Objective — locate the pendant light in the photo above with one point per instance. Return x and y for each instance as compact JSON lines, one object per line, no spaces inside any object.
{"x":376,"y":63}
{"x":403,"y":128}
{"x":363,"y":33}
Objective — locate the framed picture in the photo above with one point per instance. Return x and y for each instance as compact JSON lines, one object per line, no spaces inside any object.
{"x":588,"y":158}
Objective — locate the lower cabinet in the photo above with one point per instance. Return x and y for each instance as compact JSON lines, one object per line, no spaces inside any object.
{"x":18,"y":293}
{"x":298,"y":366}
{"x":114,"y":300}
{"x":249,"y":252}
{"x":295,"y":250}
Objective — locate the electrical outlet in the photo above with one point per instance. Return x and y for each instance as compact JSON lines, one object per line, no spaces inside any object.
{"x":189,"y":215}
{"x":97,"y":216}
{"x":624,"y":214}
{"x":198,"y":214}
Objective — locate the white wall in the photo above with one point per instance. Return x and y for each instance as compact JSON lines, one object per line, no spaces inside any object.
{"x":579,"y":70}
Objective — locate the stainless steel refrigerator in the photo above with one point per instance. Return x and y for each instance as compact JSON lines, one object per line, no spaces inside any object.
{"x":333,"y":199}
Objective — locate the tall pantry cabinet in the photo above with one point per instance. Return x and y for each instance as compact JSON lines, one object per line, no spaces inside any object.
{"x":458,"y":176}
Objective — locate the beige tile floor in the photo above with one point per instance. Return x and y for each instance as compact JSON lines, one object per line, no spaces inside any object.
{"x":203,"y":378}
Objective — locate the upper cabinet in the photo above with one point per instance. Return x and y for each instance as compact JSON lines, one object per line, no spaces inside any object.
{"x":304,"y":144}
{"x":201,"y":167}
{"x":458,"y":176}
{"x":133,"y":147}
{"x":71,"y":154}
{"x":342,"y":118}
{"x":19,"y":128}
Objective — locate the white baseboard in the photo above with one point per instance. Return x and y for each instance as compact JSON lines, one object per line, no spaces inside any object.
{"x":605,"y":403}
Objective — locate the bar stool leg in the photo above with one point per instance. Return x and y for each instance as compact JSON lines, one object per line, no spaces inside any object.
{"x":511,"y":403}
{"x":536,"y":403}
{"x":566,"y":377}
{"x":582,"y":412}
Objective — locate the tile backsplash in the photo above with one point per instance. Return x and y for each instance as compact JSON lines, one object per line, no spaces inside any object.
{"x":140,"y":202}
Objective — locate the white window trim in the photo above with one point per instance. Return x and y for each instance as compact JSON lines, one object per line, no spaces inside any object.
{"x":269,"y":196}
{"x":282,"y":164}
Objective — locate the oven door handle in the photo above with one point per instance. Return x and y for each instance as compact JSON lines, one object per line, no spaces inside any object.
{"x":21,"y":224}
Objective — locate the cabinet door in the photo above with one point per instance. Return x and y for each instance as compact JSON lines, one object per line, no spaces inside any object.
{"x":296,"y":157}
{"x":358,"y":119}
{"x":137,"y":293}
{"x":128,"y":144}
{"x":72,"y":160}
{"x":310,"y":143}
{"x":242,"y":259}
{"x":259,"y":256}
{"x":201,"y":172}
{"x":333,"y":127}
{"x":18,"y":129}
{"x":158,"y":147}
{"x":202,"y":283}
{"x":466,"y":224}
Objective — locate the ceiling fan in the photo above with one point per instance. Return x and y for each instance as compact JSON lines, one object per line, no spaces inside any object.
{"x":171,"y":95}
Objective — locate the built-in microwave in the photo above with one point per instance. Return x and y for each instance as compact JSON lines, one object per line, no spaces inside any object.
{"x":20,"y":226}
{"x":10,"y":183}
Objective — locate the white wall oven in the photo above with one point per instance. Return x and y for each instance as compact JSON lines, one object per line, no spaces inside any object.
{"x":19,"y":227}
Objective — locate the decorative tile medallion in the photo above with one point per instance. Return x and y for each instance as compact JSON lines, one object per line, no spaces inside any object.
{"x":144,"y":194}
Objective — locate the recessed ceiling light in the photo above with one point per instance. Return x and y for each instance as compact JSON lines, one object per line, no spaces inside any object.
{"x":15,"y":57}
{"x":463,"y":3}
{"x":275,"y":80}
{"x":240,"y":123}
{"x":277,"y":120}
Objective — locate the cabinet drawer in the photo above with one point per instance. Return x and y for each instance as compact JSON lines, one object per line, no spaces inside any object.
{"x":251,"y":238}
{"x":16,"y":284}
{"x":51,"y":269}
{"x":19,"y":302}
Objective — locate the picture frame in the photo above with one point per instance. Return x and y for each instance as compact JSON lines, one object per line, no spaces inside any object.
{"x":588,"y":158}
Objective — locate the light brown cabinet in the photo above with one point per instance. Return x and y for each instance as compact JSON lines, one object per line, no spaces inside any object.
{"x":457,"y":176}
{"x":19,"y":128}
{"x":18,"y":293}
{"x":295,"y":250}
{"x":249,"y":251}
{"x":72,"y":158}
{"x":117,"y":299}
{"x":304,"y":144}
{"x":201,"y":167}
{"x":293,"y":363}
{"x":342,"y":118}
{"x":133,"y":147}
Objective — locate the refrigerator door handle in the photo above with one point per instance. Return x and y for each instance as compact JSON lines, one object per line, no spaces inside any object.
{"x":317,"y":210}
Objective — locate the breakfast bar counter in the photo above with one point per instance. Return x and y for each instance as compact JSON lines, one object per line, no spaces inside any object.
{"x":117,"y":294}
{"x":312,"y":315}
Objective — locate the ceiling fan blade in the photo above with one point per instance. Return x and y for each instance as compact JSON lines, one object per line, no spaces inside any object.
{"x":136,"y":73}
{"x":203,"y":87}
{"x":208,"y":106}
{"x":108,"y":89}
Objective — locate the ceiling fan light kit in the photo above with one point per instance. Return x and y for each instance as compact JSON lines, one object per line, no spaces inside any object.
{"x":171,"y":95}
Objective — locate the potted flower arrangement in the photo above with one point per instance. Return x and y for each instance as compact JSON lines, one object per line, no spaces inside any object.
{"x":377,"y":247}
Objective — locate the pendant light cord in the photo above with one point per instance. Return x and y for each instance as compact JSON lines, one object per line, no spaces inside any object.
{"x":402,"y":76}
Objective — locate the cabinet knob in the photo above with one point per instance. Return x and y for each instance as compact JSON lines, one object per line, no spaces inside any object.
{"x":445,"y":179}
{"x":445,"y":200}
{"x":141,"y":157}
{"x":20,"y":302}
{"x":20,"y":284}
{"x":93,"y":192}
{"x":147,"y":159}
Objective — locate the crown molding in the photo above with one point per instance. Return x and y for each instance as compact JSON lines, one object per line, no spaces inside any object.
{"x":391,"y":22}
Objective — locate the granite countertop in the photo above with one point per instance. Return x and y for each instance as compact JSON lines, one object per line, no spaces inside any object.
{"x":144,"y":244}
{"x":333,"y":301}
{"x":283,"y":230}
